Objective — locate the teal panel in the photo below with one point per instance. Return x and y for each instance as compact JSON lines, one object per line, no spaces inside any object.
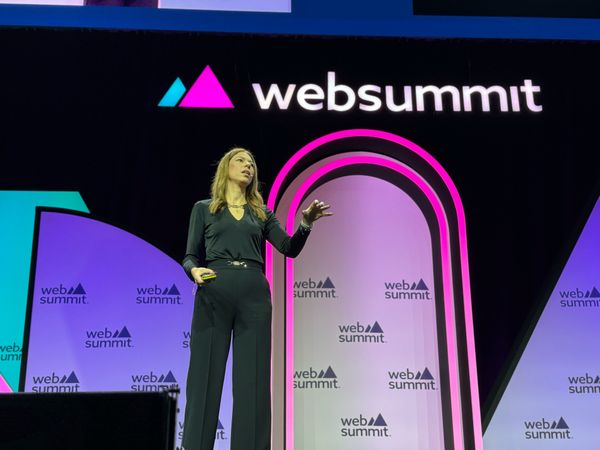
{"x":17,"y":215}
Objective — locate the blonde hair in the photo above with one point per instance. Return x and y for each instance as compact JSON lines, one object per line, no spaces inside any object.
{"x":218,"y":188}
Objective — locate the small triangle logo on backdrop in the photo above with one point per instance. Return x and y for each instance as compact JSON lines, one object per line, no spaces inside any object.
{"x":72,"y":378}
{"x":206,"y":92}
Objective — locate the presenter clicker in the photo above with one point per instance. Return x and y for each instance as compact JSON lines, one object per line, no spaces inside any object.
{"x":234,"y":298}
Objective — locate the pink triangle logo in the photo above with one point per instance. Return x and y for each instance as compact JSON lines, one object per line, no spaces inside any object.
{"x":206,"y":92}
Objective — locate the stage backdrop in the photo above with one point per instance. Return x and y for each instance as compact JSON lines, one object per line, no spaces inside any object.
{"x":135,"y":121}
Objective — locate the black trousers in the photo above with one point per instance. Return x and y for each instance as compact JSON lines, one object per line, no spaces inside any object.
{"x":238,"y":302}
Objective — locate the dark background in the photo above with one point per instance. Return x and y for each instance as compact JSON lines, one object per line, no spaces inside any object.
{"x":589,"y":9}
{"x":79,"y":113}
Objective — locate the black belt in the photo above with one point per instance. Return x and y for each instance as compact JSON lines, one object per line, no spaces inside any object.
{"x":234,"y":264}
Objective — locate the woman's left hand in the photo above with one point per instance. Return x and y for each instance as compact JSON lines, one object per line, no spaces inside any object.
{"x":315,"y":211}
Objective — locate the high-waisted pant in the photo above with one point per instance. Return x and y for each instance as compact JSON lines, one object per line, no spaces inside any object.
{"x":238,"y":301}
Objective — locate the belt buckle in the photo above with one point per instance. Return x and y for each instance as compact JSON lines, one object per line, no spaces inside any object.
{"x":237,"y":263}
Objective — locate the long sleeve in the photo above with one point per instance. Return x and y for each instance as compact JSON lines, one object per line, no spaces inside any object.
{"x":195,"y":252}
{"x":290,"y":246}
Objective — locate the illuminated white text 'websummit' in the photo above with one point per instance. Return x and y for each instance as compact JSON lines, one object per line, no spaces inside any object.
{"x":371,"y":97}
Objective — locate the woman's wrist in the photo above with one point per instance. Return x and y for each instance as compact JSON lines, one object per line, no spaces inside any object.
{"x":305,"y":224}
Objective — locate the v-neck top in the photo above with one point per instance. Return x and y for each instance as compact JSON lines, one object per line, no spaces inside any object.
{"x":222,"y":236}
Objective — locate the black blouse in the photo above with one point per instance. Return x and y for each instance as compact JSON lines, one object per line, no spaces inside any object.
{"x":222,"y":236}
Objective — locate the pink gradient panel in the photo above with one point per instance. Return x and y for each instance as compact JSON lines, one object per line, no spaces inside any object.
{"x":377,"y":237}
{"x":451,"y":337}
{"x":206,"y":92}
{"x":447,"y":276}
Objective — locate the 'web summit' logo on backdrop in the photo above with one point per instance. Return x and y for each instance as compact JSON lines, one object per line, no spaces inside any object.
{"x":156,"y":295}
{"x":206,"y":92}
{"x":56,"y":383}
{"x":314,"y":289}
{"x":11,"y":352}
{"x":404,"y":290}
{"x":357,"y":332}
{"x":586,"y":384}
{"x":362,"y":427}
{"x":108,"y":338}
{"x":152,"y":382}
{"x":578,"y":298}
{"x":74,"y":295}
{"x":407,"y":380}
{"x":315,"y":379}
{"x":547,"y":430}
{"x":220,"y":435}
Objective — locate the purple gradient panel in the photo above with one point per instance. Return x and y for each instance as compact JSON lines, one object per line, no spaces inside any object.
{"x":374,"y":249}
{"x":284,"y":6}
{"x":110,"y":313}
{"x":558,"y":375}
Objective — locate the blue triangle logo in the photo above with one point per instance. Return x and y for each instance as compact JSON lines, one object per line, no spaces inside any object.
{"x":379,"y":422}
{"x":426,"y":375}
{"x":595,"y":293}
{"x":174,"y":290}
{"x":328,"y":284}
{"x":219,"y":425}
{"x":72,"y":378}
{"x":79,"y":290}
{"x":170,"y":378}
{"x":173,"y":95}
{"x":329,"y":373}
{"x":376,"y":328}
{"x":421,"y":286}
{"x":562,"y":425}
{"x":124,"y":333}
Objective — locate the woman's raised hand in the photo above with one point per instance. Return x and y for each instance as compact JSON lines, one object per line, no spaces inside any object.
{"x":197,"y":273}
{"x":315,"y":211}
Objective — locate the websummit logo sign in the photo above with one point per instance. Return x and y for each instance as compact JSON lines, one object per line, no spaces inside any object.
{"x":207,"y":92}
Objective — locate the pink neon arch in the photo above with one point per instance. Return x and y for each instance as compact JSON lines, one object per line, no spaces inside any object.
{"x":443,"y":240}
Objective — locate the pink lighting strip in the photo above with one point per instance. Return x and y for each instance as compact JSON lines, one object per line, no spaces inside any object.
{"x":446,"y":268}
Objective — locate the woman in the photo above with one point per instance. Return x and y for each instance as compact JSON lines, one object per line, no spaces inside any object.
{"x":230,"y":228}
